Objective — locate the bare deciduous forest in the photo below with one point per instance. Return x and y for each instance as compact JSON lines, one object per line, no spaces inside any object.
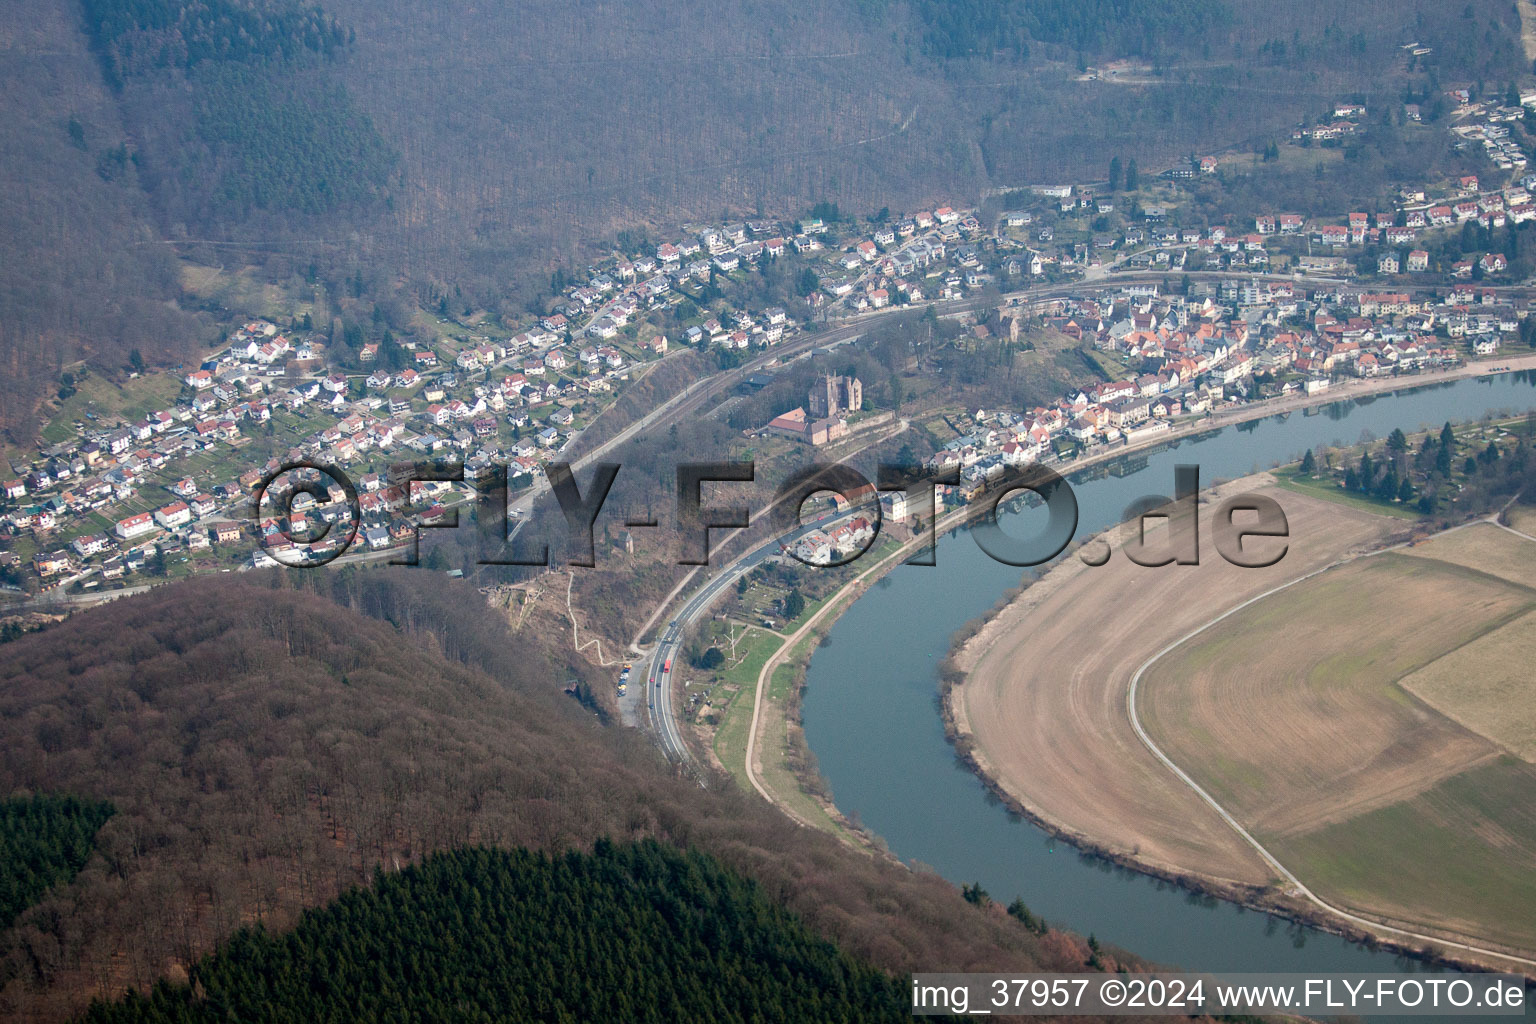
{"x":83,"y":273}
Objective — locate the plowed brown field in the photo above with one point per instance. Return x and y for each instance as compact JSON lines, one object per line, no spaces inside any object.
{"x":1044,"y":698}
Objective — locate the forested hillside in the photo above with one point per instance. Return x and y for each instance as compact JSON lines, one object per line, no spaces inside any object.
{"x":265,"y":749}
{"x":775,"y":107}
{"x":630,"y":933}
{"x":239,"y":121}
{"x":471,"y":148}
{"x":83,"y":273}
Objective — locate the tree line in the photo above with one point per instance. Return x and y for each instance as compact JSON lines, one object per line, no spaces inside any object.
{"x":1442,"y":475}
{"x":133,"y":36}
{"x":284,"y":141}
{"x":986,"y":28}
{"x":238,"y":108}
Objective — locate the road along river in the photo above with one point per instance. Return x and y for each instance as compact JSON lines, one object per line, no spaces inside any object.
{"x":872,"y":719}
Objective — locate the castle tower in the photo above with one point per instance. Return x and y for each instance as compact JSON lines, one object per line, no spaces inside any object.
{"x":853,"y":393}
{"x":823,"y":397}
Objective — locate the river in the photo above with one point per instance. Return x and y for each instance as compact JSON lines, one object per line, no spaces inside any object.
{"x":872,"y":719}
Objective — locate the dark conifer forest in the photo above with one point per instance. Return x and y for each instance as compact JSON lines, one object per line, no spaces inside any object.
{"x":963,"y":28}
{"x":629,"y":932}
{"x":272,"y":128}
{"x":44,"y":841}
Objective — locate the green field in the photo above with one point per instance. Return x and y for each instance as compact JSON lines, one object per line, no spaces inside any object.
{"x":731,"y":734}
{"x":109,"y":402}
{"x":245,"y":289}
{"x":1293,"y":480}
{"x":1293,"y":714}
{"x":778,"y":774}
{"x":730,"y":737}
{"x":1462,"y":855}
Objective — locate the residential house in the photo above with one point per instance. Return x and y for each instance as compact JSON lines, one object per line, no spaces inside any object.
{"x":134,"y":526}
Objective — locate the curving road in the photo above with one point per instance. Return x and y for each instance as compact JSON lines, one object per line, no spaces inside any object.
{"x":1296,"y":884}
{"x":658,"y":685}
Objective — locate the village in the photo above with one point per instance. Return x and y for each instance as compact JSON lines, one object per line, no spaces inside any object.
{"x":1181,"y":319}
